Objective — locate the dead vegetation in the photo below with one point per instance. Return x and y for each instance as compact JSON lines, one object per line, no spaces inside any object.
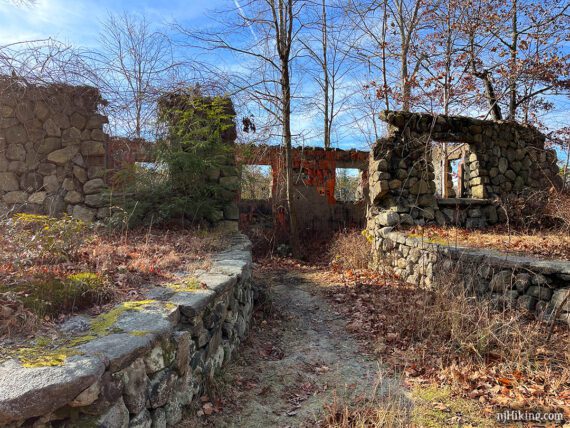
{"x":538,"y":210}
{"x":541,"y":243}
{"x":487,"y":358}
{"x":51,"y":268}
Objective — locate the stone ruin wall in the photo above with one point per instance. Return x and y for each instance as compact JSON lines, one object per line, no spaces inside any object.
{"x":52,"y":149}
{"x":147,"y":368}
{"x":508,"y":281}
{"x":55,"y":157}
{"x":504,"y":159}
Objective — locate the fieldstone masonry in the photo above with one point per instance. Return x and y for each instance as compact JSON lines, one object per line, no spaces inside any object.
{"x":526,"y":283}
{"x":55,"y":157}
{"x":52,"y":149}
{"x":151,"y":362}
{"x":504,"y":158}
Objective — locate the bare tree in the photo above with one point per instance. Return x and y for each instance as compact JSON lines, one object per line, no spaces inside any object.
{"x":264,"y":38}
{"x":397,"y":44}
{"x":45,"y":61}
{"x":327,"y":40}
{"x":20,"y":3}
{"x":136,"y":64}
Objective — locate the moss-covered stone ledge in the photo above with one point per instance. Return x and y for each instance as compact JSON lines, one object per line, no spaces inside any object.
{"x":140,"y":364}
{"x":526,"y":283}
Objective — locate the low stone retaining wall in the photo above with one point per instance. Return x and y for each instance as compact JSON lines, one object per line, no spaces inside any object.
{"x":531,"y":284}
{"x":143,"y":362}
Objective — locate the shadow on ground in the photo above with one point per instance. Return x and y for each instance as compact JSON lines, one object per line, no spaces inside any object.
{"x":298,"y":358}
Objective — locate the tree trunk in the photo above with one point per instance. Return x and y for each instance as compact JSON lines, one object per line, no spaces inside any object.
{"x":513,"y":65}
{"x":284,"y":32}
{"x":384,"y":77}
{"x":327,"y":130}
{"x":287,"y":141}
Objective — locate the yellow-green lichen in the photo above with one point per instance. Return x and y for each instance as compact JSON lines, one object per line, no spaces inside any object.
{"x":139,"y":332}
{"x":103,"y":324}
{"x":431,"y":240}
{"x":40,"y":356}
{"x":81,"y":340}
{"x":189,"y":284}
{"x":36,"y":357}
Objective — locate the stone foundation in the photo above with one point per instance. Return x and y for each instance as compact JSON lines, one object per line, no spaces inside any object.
{"x":529,"y":284}
{"x":52,"y":149}
{"x":502,"y":159}
{"x":141,"y":364}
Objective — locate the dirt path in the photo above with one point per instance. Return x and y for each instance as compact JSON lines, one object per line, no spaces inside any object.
{"x":297,"y":358}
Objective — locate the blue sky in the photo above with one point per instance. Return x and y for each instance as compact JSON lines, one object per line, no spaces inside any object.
{"x":78,"y":23}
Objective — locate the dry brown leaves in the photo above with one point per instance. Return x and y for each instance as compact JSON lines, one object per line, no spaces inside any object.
{"x":549,"y":244}
{"x":127,"y":262}
{"x":376,"y":309}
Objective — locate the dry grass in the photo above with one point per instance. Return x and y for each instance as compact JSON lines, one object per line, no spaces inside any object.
{"x":550,"y":244}
{"x":485,"y":356}
{"x":385,"y":406}
{"x":558,"y":209}
{"x":497,"y":358}
{"x":50,"y":269}
{"x":350,"y":250}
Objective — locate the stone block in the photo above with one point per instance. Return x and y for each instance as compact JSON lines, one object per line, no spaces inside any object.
{"x":522,"y":282}
{"x":561,"y":297}
{"x":16,"y":197}
{"x":32,"y":392}
{"x":388,"y":218}
{"x":51,"y":184}
{"x":73,"y":197}
{"x":158,"y":418}
{"x":502,"y":281}
{"x":526,"y":302}
{"x":136,"y":384}
{"x":95,"y":201}
{"x":8,"y":182}
{"x":71,"y":136}
{"x":16,"y":152}
{"x":160,"y":388}
{"x":540,"y":292}
{"x":88,"y":396}
{"x":78,"y":121}
{"x":117,"y":416}
{"x":478,"y":192}
{"x":539,"y":279}
{"x":231,"y":212}
{"x":37,"y":198}
{"x":143,"y":419}
{"x":94,"y":186}
{"x":79,"y":173}
{"x":63,"y":156}
{"x":52,"y":128}
{"x":83,"y":213}
{"x":48,"y":145}
{"x":395,"y":184}
{"x":15,"y":135}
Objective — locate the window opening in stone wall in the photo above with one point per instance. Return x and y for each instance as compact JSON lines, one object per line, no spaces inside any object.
{"x":348,"y":185}
{"x":451,"y":170}
{"x":256,"y":182}
{"x":455,"y":168}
